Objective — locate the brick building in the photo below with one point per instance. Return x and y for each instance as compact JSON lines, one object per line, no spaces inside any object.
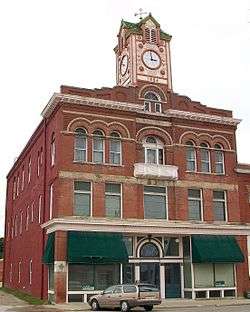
{"x":134,"y":182}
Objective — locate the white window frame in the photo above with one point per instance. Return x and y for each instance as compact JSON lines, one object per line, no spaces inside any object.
{"x":51,"y":200}
{"x":81,"y":149}
{"x":27,"y":218}
{"x":220,"y":162}
{"x":32,"y":212}
{"x":38,"y":163}
{"x":225,"y":205}
{"x":52,"y":151}
{"x":147,"y":104}
{"x":11,"y":272}
{"x":21,"y":223}
{"x":17,"y":185}
{"x":160,"y":107}
{"x":39,"y":208}
{"x":156,"y":194}
{"x":85,"y":192}
{"x":201,"y":204}
{"x":95,"y":136}
{"x":191,"y":159}
{"x":115,"y":194}
{"x":19,"y":271}
{"x":117,"y":139}
{"x":208,"y":161}
{"x":23,"y":179}
{"x":30,"y":271}
{"x":156,"y":147}
{"x":14,"y":189}
{"x":15,"y":226}
{"x":29,"y":170}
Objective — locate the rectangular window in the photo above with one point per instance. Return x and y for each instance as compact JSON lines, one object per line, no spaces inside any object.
{"x":30,"y":272}
{"x":98,"y":149}
{"x":15,"y":226}
{"x":115,"y":151}
{"x":27,"y":218}
{"x":219,"y":205}
{"x":194,"y":205}
{"x":93,"y":277}
{"x":32,"y":212}
{"x":11,"y":272}
{"x":19,"y":271}
{"x":191,"y":158}
{"x":39,"y":208}
{"x":155,"y":202}
{"x":82,"y":198}
{"x":17,"y":185}
{"x":158,"y":107}
{"x":52,"y":152}
{"x":38,"y":163}
{"x":171,"y":247}
{"x":205,"y":160}
{"x":23,"y":177}
{"x":29,"y":170}
{"x":129,"y":245}
{"x":21,"y":223}
{"x":51,"y":201}
{"x":113,"y":200}
{"x":14,"y":189}
{"x":128,"y":273}
{"x":147,"y":106}
{"x":219,"y":162}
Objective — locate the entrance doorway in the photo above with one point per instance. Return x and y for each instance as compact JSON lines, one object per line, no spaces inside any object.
{"x":172,"y":280}
{"x":150,"y":273}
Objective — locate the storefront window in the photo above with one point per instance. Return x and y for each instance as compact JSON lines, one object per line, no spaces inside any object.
{"x":51,"y":276}
{"x":187,"y":263}
{"x":213,"y":275}
{"x":129,"y":245}
{"x":128,"y":273}
{"x":93,"y":277}
{"x":171,"y":247}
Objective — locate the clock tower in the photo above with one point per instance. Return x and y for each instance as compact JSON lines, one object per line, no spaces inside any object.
{"x":143,"y":54}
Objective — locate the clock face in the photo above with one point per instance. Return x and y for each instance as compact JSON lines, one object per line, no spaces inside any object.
{"x":151,"y":59}
{"x":124,"y":65}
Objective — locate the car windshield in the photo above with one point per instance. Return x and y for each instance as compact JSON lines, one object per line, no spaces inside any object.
{"x":147,"y":288}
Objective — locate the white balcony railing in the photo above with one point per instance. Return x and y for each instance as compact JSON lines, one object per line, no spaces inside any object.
{"x":154,"y":171}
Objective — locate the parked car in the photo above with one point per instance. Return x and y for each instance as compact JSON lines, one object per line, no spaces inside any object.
{"x":126,"y":296}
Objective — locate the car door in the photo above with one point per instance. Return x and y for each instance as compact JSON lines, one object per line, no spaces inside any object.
{"x":105,"y":299}
{"x":116,"y":297}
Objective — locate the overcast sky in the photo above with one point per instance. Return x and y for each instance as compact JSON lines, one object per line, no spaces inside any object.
{"x":46,"y":43}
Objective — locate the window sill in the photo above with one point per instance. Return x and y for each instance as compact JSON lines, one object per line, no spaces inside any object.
{"x":205,"y":173}
{"x":93,"y":163}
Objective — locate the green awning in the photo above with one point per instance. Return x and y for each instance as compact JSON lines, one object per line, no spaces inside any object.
{"x":96,"y":248}
{"x":216,"y":249}
{"x":48,"y":256}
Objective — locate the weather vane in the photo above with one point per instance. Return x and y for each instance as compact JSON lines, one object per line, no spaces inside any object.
{"x":140,"y":13}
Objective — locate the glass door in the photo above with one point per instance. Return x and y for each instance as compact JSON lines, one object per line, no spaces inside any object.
{"x":150,"y":273}
{"x":172,"y":280}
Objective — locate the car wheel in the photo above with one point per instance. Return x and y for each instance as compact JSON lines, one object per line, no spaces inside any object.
{"x":94,"y":305}
{"x":124,"y":306}
{"x":148,"y":308}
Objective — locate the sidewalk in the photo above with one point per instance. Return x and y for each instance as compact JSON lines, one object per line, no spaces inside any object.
{"x":166,"y":304}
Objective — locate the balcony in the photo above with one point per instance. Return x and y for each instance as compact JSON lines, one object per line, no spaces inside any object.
{"x":154,"y":171}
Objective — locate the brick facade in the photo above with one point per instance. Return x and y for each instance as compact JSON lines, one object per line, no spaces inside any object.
{"x":117,"y":109}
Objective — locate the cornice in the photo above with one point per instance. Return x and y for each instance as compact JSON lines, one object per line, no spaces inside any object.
{"x":125,"y":106}
{"x":135,"y":226}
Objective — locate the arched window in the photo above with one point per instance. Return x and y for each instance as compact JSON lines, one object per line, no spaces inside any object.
{"x":153,"y":149}
{"x":149,"y":250}
{"x":152,"y":102}
{"x":80,"y":151}
{"x":150,"y":35}
{"x":98,"y":146}
{"x":219,"y":159}
{"x":115,"y":148}
{"x":190,"y":156}
{"x":205,"y":158}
